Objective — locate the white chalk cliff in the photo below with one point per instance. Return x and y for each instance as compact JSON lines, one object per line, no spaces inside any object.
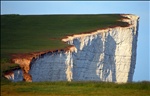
{"x":103,"y":55}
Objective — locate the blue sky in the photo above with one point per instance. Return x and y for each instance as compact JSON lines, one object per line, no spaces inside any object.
{"x":140,"y":8}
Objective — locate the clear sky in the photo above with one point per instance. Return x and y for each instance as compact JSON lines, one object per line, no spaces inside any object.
{"x":140,"y":8}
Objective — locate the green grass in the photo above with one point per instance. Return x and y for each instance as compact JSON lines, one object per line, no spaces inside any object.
{"x":6,"y":66}
{"x":75,"y":89}
{"x":32,"y":33}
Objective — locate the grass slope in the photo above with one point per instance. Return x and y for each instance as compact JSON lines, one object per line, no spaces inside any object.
{"x":31,"y":33}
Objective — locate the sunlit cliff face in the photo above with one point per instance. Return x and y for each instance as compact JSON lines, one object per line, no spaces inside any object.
{"x":102,"y":55}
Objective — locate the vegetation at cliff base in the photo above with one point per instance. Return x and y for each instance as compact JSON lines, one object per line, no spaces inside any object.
{"x":75,"y":89}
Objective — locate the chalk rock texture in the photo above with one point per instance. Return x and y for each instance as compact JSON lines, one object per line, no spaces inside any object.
{"x":103,"y":55}
{"x":15,"y":75}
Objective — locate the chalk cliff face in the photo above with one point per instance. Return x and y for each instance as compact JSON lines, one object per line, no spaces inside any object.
{"x":102,"y":55}
{"x":15,"y":75}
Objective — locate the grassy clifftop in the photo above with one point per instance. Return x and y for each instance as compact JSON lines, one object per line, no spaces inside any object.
{"x":31,"y":33}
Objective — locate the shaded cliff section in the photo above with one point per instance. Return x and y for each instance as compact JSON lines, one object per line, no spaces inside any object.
{"x":25,"y":62}
{"x":102,"y":55}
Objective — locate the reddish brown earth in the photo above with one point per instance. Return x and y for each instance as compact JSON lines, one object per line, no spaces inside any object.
{"x":24,"y":60}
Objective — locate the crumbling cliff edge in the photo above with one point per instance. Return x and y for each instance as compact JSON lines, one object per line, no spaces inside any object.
{"x":103,"y":55}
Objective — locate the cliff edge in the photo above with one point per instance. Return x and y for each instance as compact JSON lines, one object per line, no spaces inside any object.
{"x":103,"y":55}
